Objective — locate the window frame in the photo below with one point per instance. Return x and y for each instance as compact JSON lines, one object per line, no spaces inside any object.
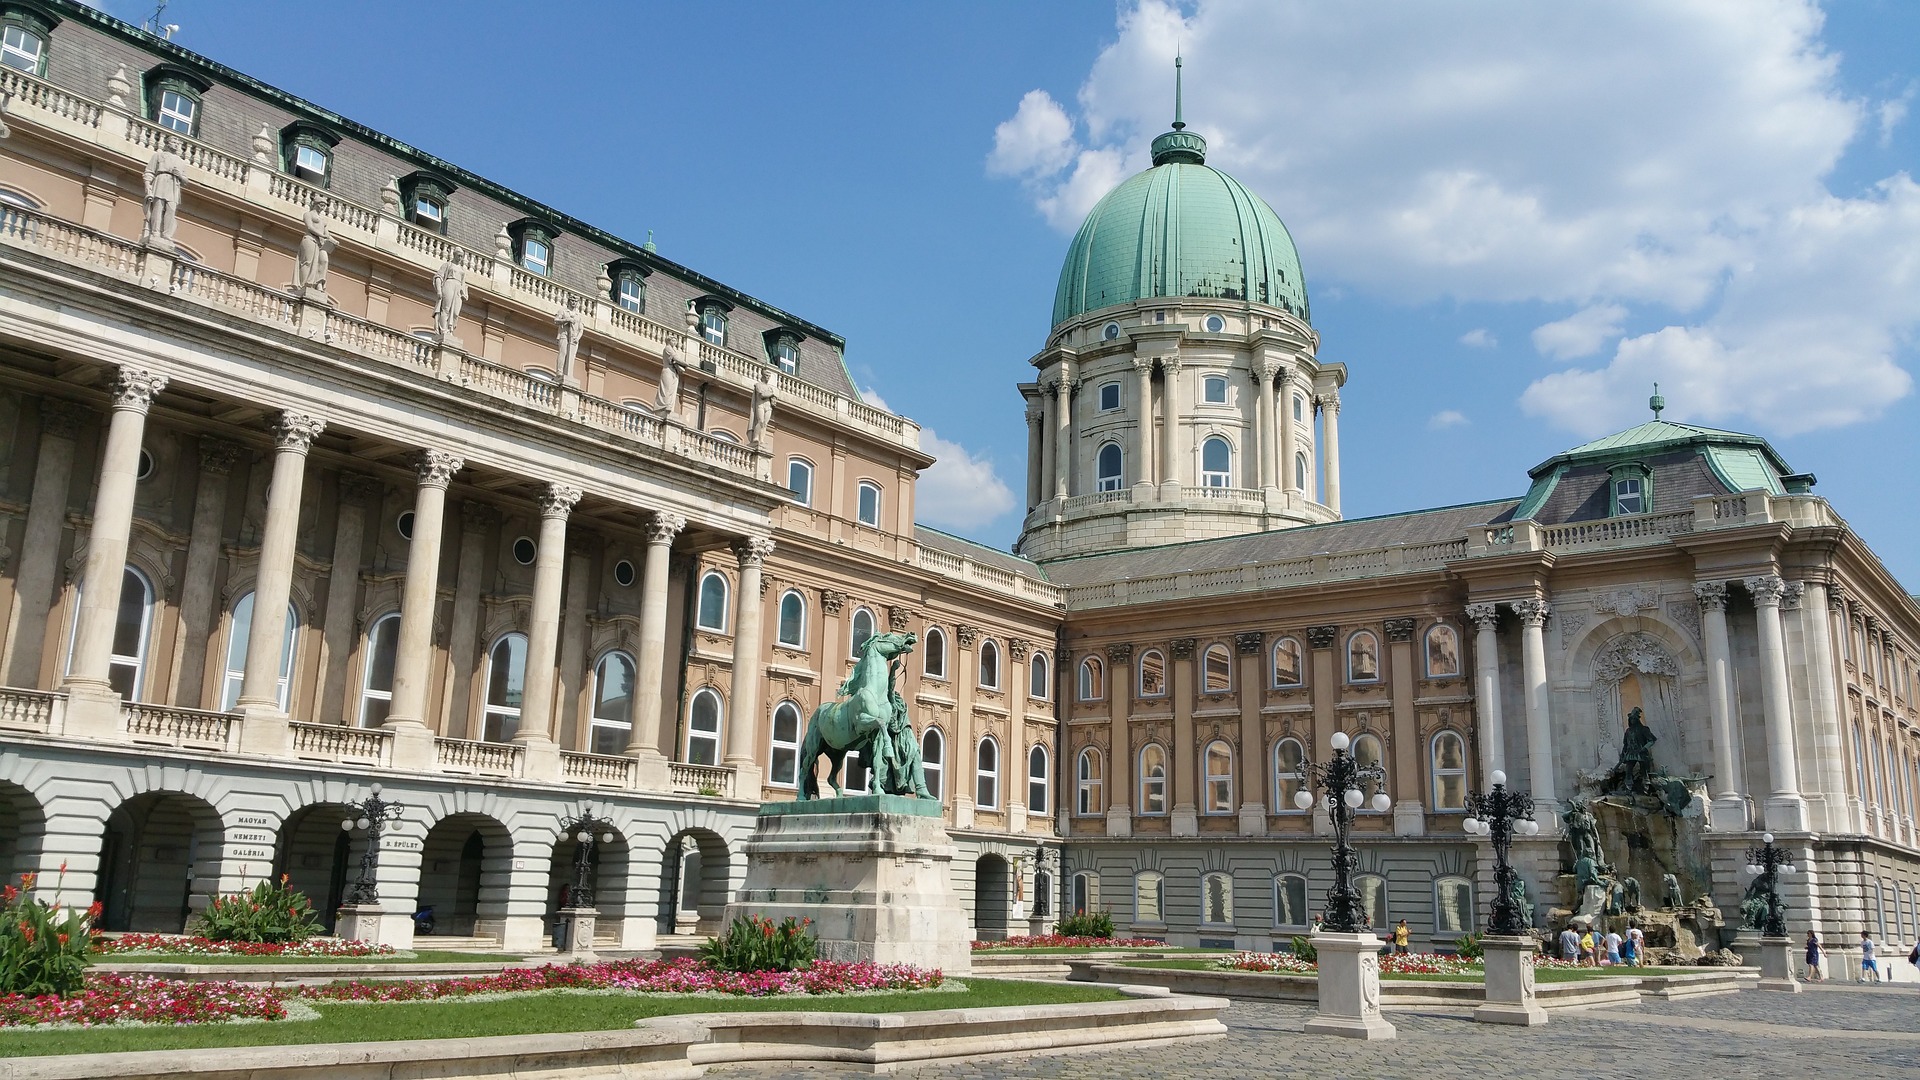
{"x":1280,"y":884}
{"x":1283,"y":795}
{"x":621,"y":277}
{"x":1140,"y":675}
{"x":1105,"y":479}
{"x":1301,"y":473}
{"x":1117,"y":394}
{"x":233,"y":680}
{"x":854,"y":639}
{"x":1211,"y":477}
{"x":933,"y":766}
{"x":1636,"y":473}
{"x":421,"y":186}
{"x":1083,"y":891}
{"x":1209,"y":384}
{"x":1217,"y":650}
{"x":135,"y":661}
{"x":1426,"y":650}
{"x":779,"y":750}
{"x":1039,"y":783}
{"x":1437,"y":774}
{"x":10,"y":23}
{"x":933,"y":655}
{"x":1040,"y":677}
{"x":1157,"y":882}
{"x":1207,"y":882}
{"x":1089,"y":783}
{"x":1299,"y":664}
{"x":1468,"y":914}
{"x":1091,"y":679}
{"x":802,"y":467}
{"x":305,"y":135}
{"x":1353,"y":639}
{"x":501,"y":712}
{"x":987,"y":675}
{"x":369,"y":664}
{"x":799,"y":638}
{"x":700,"y":603}
{"x":1214,"y":783}
{"x":861,"y":512}
{"x":704,"y":694}
{"x":1386,"y":910}
{"x":1152,"y":783}
{"x":597,"y":723}
{"x":1371,"y":787}
{"x":986,"y":773}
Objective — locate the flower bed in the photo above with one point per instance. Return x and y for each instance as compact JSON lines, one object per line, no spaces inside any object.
{"x":181,"y":945}
{"x":682,"y":976}
{"x":142,"y":999}
{"x":1390,"y":964}
{"x":1283,"y":963}
{"x":1062,"y":941}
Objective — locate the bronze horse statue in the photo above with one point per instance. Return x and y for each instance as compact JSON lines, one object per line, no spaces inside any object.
{"x":864,"y":720}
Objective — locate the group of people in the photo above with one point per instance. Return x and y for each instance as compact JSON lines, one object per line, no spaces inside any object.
{"x":1584,"y":946}
{"x":1870,"y":970}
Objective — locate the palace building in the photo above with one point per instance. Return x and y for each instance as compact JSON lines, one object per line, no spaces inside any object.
{"x":327,"y":463}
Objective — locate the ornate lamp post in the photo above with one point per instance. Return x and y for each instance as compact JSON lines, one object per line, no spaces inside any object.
{"x":586,"y":829}
{"x":1499,"y":815}
{"x":1767,"y":863}
{"x":373,"y":816}
{"x":1349,"y":959}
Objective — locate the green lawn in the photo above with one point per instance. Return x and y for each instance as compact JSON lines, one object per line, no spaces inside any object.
{"x":425,"y":956}
{"x":550,"y":1012}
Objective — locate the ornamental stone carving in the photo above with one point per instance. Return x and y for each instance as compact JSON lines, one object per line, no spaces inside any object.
{"x":1685,"y":614}
{"x":1181,"y":648}
{"x":1017,"y":649}
{"x":1120,"y":651}
{"x":1399,"y":629}
{"x":1321,"y":637}
{"x":296,"y":431}
{"x":217,"y":456}
{"x":966,"y":635}
{"x":1483,"y":616}
{"x":354,"y":487}
{"x":1329,"y":403}
{"x":63,"y":419}
{"x":135,"y":387}
{"x":663,"y":527}
{"x":1532,"y":612}
{"x":666,"y":400}
{"x":449,"y":296}
{"x":166,"y":178}
{"x":1629,"y":602}
{"x":899,"y":618}
{"x":1711,"y":594}
{"x":1790,"y":597}
{"x":436,"y":467}
{"x":476,"y":516}
{"x":1767,"y":589}
{"x":760,"y":420}
{"x":1250,"y":642}
{"x":753,"y":550}
{"x":568,"y":329}
{"x":558,"y":500}
{"x":832,"y":601}
{"x":316,"y":251}
{"x":1837,"y":596}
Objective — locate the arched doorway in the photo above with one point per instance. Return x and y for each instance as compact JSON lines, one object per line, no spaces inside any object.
{"x":465,"y":866}
{"x":319,"y":858}
{"x":607,"y":878}
{"x":23,"y":828}
{"x":159,"y":862}
{"x":694,"y":883}
{"x":991,"y":896}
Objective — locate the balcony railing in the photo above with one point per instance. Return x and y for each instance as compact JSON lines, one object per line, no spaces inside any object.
{"x":484,"y":758}
{"x":328,"y":742}
{"x":711,"y":780}
{"x":598,"y":770}
{"x":28,"y":710}
{"x":186,"y":729}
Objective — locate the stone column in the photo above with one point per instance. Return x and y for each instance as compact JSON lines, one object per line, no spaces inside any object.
{"x":644,"y":743}
{"x":293,"y":435}
{"x":1263,"y":421}
{"x":203,"y":562}
{"x":571,"y":675}
{"x":743,"y":720}
{"x":1119,"y":746}
{"x":1250,"y":785}
{"x":133,"y":391}
{"x":1824,"y":698}
{"x":1288,"y":436}
{"x":1036,"y":451}
{"x":1786,"y":809}
{"x":1533,"y":663}
{"x":343,"y":600}
{"x":60,"y":424}
{"x":1143,"y":417}
{"x":1841,"y":816}
{"x":1013,"y":675}
{"x":1172,"y":471}
{"x":1063,"y":432}
{"x":1330,"y":453}
{"x":1409,"y":757}
{"x":1729,"y":808}
{"x":477,"y":520}
{"x":413,"y":658}
{"x":1049,"y":443}
{"x":1182,"y":755}
{"x":964,"y":758}
{"x":543,"y":629}
{"x":1486,"y":677}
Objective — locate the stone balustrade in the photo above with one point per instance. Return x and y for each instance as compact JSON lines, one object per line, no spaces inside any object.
{"x":480,"y":758}
{"x":597,"y":770}
{"x":29,"y":710}
{"x":342,"y":745}
{"x":712,"y":780}
{"x":181,"y":729}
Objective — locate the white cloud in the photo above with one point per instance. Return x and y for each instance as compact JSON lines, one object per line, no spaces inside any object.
{"x":1890,"y":113}
{"x":1480,"y":338}
{"x":1036,"y":141}
{"x":1581,"y":333}
{"x":1447,"y":418}
{"x":1658,"y":163}
{"x":958,"y":491}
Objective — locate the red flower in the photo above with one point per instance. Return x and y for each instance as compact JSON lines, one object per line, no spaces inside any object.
{"x":8,"y":893}
{"x":94,"y":909}
{"x":63,"y":939}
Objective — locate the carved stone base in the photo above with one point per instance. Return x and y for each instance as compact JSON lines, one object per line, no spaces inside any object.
{"x":1776,"y":965}
{"x":370,"y":922}
{"x":578,"y":925}
{"x":1350,"y":988}
{"x":1786,"y":813}
{"x":1729,"y":812}
{"x":1509,"y":967}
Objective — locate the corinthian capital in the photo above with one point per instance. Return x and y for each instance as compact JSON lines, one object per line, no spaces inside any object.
{"x":134,"y":387}
{"x":296,"y":431}
{"x":1483,"y":615}
{"x":663,"y":527}
{"x":1532,"y":612}
{"x":1790,"y":596}
{"x":218,"y":455}
{"x":557,"y":500}
{"x":1330,"y":403}
{"x":1711,"y":594}
{"x":1767,"y":589}
{"x":753,"y":550}
{"x":436,"y":467}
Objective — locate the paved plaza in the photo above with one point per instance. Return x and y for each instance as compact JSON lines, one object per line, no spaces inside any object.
{"x":1832,"y":1030}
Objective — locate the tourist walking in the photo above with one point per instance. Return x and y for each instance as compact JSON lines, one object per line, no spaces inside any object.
{"x":1569,"y":944}
{"x":1867,"y":962}
{"x":1613,"y":948}
{"x":1813,"y":957}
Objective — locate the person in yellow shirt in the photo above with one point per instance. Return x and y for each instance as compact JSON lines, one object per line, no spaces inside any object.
{"x":1400,"y":938}
{"x":1587,"y":957}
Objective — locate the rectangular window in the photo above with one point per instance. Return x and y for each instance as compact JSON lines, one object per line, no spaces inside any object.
{"x":428,"y":212}
{"x":310,"y":161}
{"x":176,"y":112}
{"x":786,"y":357}
{"x":713,"y":327}
{"x":20,"y":50}
{"x":535,"y":256}
{"x":631,"y":297}
{"x":869,"y":505}
{"x":1629,"y":495}
{"x":1109,"y":396}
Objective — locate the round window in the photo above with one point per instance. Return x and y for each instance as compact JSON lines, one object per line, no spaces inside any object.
{"x":524,"y":551}
{"x":146,"y":465}
{"x":1112,"y":332}
{"x":623,"y":573}
{"x":1215,"y":324}
{"x":405,"y":524}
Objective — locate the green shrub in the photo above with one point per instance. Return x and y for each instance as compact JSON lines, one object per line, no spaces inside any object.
{"x":1083,"y":924}
{"x":1303,"y":948}
{"x":1469,"y":948}
{"x":42,"y":950}
{"x":271,"y":913}
{"x":754,"y":943}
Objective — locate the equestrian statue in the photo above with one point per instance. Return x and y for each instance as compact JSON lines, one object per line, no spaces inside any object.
{"x":870,"y":719}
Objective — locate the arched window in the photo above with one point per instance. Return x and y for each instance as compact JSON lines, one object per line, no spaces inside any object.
{"x":793,"y":620}
{"x":1287,"y":669}
{"x":1289,"y":901}
{"x":1443,"y":651}
{"x":1452,"y":905}
{"x":132,"y":626}
{"x":1449,"y":756}
{"x":1147,"y":896}
{"x":987,"y":775}
{"x":1089,"y":798}
{"x":23,"y":42}
{"x":989,"y":665}
{"x":1860,"y":764}
{"x":1093,"y":679}
{"x":1217,"y":669}
{"x":1110,"y":468}
{"x":1216,"y":900}
{"x":703,"y":728}
{"x":1152,"y":674}
{"x":506,"y":684}
{"x":1363,"y":657}
{"x":1039,"y":678}
{"x":1366,"y":751}
{"x":376,"y":679}
{"x":868,"y":507}
{"x":1373,"y":899}
{"x":1300,"y":472}
{"x":1216,"y":463}
{"x":862,"y":630}
{"x":1153,"y":779}
{"x":1218,"y":789}
{"x":1879,"y":770}
{"x":1288,"y":754}
{"x":784,"y":762}
{"x":612,"y":724}
{"x":1038,"y":779}
{"x":237,"y":635}
{"x":933,"y":759}
{"x":800,"y":480}
{"x":934,"y":659}
{"x":1086,"y":892}
{"x":713,"y":602}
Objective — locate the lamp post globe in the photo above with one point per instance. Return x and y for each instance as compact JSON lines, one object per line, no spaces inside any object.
{"x":1340,"y":781}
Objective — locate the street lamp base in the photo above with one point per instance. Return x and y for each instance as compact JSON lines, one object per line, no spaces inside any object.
{"x":1509,"y":984}
{"x":1776,"y":965}
{"x":1350,"y":988}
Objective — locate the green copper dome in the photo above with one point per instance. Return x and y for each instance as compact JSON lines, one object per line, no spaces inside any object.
{"x":1180,"y":229}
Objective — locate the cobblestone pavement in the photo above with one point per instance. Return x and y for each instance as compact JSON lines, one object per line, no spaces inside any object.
{"x":1829,"y":1030}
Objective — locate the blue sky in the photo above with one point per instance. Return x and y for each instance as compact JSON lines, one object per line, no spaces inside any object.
{"x":1512,"y":217}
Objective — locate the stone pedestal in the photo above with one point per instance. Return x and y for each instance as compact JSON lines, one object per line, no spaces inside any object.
{"x":1509,"y":965}
{"x":871,"y":871}
{"x":1776,"y":965}
{"x":369,"y":922}
{"x":1350,"y":988}
{"x":577,"y":925}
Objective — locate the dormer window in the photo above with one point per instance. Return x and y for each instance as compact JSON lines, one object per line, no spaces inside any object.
{"x":533,"y":245}
{"x":1632,"y":489}
{"x":629,"y":277}
{"x":306,"y":150}
{"x":713,"y":319}
{"x":783,"y":348}
{"x":425,"y":196}
{"x":430,"y":212}
{"x":173,"y":99}
{"x":24,"y":32}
